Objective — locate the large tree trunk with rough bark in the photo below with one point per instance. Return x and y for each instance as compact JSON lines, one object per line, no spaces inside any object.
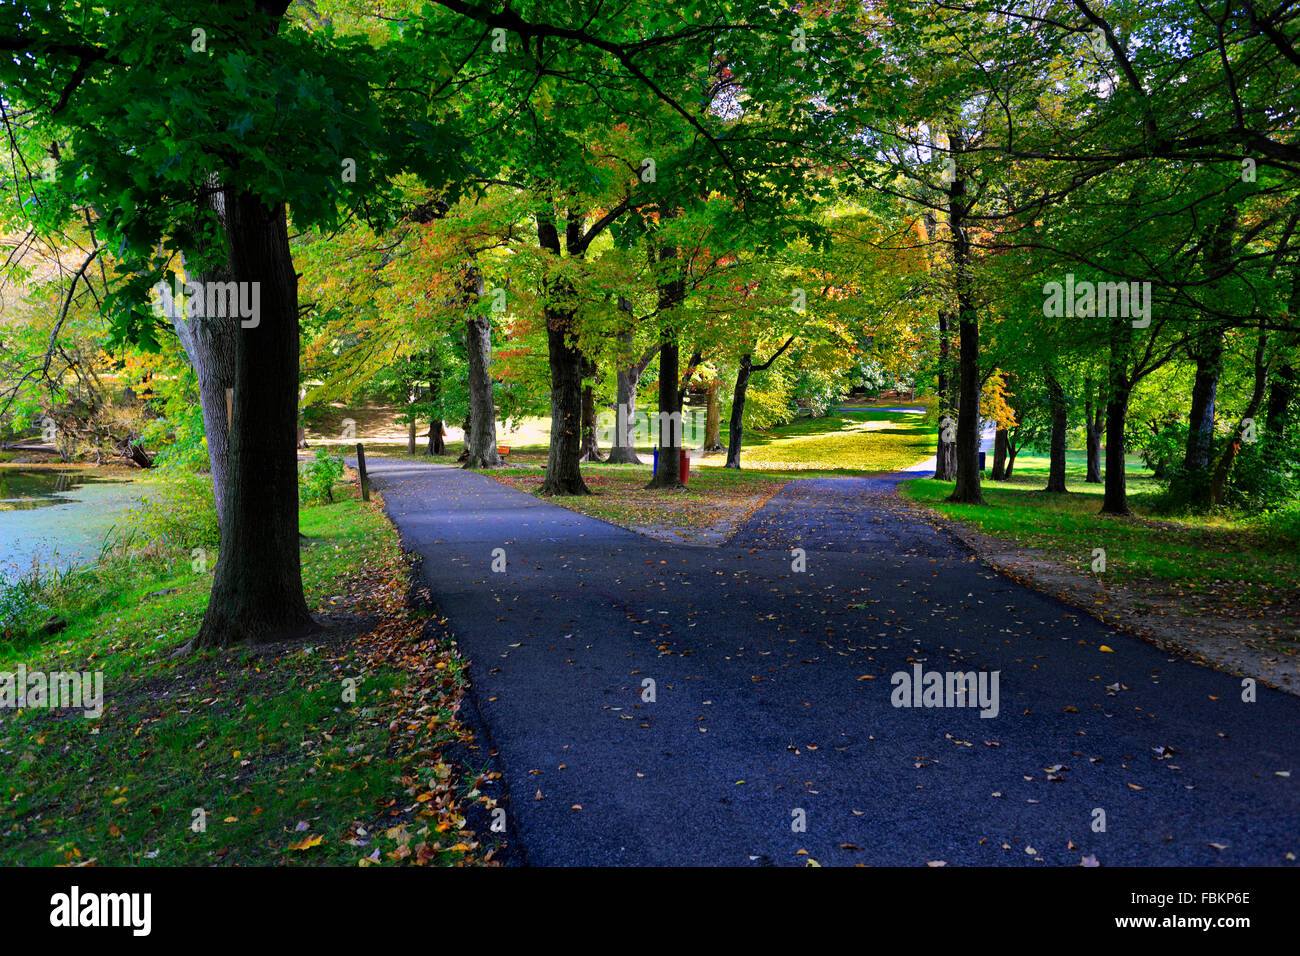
{"x":672,"y":292}
{"x":1060,"y":424}
{"x":466,"y":429}
{"x":967,"y":488}
{"x":209,"y":342}
{"x":1118,"y":390}
{"x":1000,"y":455}
{"x":712,"y":422}
{"x":1094,"y":422}
{"x":590,"y":446}
{"x":623,"y":447}
{"x":669,"y":422}
{"x":257,"y":585}
{"x":483,"y":412}
{"x":563,"y":472}
{"x":1193,"y":482}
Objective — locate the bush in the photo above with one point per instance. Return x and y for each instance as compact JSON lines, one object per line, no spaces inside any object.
{"x":1283,"y":523}
{"x":1162,"y":451}
{"x":316,"y":479}
{"x":178,"y":511}
{"x":1264,"y":477}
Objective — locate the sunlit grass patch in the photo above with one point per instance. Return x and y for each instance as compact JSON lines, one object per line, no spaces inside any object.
{"x":1220,"y":553}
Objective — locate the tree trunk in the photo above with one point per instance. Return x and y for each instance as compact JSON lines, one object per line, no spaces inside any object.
{"x":1012,"y":451}
{"x":465,"y":430}
{"x":410,"y":426}
{"x":1193,"y":483}
{"x":736,"y":428}
{"x":945,"y":460}
{"x":209,"y":342}
{"x":967,"y":488}
{"x":590,"y":447}
{"x":1281,"y":396}
{"x":672,"y":292}
{"x":669,"y":421}
{"x":1060,"y":423}
{"x":1093,"y":422}
{"x":623,"y":447}
{"x":623,"y":450}
{"x":257,"y":584}
{"x":437,"y":445}
{"x":1219,"y":480}
{"x":1000,"y":455}
{"x":483,"y":412}
{"x":712,"y":422}
{"x":1115,"y":498}
{"x":563,"y":472}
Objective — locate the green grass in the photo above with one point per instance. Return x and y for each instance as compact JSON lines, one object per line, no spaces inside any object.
{"x":262,"y":742}
{"x":846,"y":443}
{"x":717,"y":499}
{"x":1223,"y":555}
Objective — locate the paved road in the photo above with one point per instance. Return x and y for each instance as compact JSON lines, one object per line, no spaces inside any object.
{"x":772,"y":695}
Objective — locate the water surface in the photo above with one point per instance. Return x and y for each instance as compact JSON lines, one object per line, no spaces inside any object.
{"x":58,"y":517}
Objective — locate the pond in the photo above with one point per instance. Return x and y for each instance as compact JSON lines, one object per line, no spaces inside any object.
{"x":58,"y":517}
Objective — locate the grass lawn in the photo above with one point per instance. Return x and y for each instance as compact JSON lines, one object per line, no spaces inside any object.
{"x":714,"y":502}
{"x":246,"y":757}
{"x":847,"y":443}
{"x":718,"y":499}
{"x":1221,"y":559}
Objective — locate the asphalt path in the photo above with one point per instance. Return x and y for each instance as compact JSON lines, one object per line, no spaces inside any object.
{"x":772,"y":729}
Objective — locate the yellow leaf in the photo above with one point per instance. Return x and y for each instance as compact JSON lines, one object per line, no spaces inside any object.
{"x":306,"y":843}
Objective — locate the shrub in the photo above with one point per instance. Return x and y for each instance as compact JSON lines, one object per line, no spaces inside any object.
{"x":316,"y":478}
{"x":178,"y":511}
